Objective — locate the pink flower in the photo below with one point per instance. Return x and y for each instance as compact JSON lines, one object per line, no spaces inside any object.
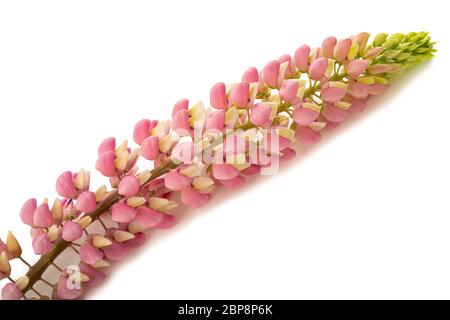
{"x":42,"y":244}
{"x":109,"y":144}
{"x":270,"y":73}
{"x":304,"y":116}
{"x":306,"y":135}
{"x":251,"y":75}
{"x":67,"y":289}
{"x":193,"y":198}
{"x":356,"y":67}
{"x":301,"y":58}
{"x":86,"y":202}
{"x":145,"y":218}
{"x":224,"y":171}
{"x":358,"y":90}
{"x":216,"y":120}
{"x":176,"y":181}
{"x":141,"y":131}
{"x":180,"y":123}
{"x":95,"y":276}
{"x":233,"y":183}
{"x":239,"y":95}
{"x":123,"y":213}
{"x":11,"y":292}
{"x":65,"y":186}
{"x":129,"y":186}
{"x":42,"y":216}
{"x":261,"y":115}
{"x":328,"y":47}
{"x":289,"y":91}
{"x":105,"y":164}
{"x":341,"y":50}
{"x":116,"y":251}
{"x":72,"y":231}
{"x":150,"y":148}
{"x":333,"y":113}
{"x":218,"y":96}
{"x":318,"y":68}
{"x":290,"y":70}
{"x":333,"y":94}
{"x":90,"y":254}
{"x":27,"y":212}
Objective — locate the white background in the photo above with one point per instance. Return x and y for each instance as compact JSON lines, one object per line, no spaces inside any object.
{"x":364,"y":214}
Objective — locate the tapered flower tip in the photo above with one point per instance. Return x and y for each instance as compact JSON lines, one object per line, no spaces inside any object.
{"x":333,"y":94}
{"x":72,"y":231}
{"x":261,"y":115}
{"x":301,"y":58}
{"x":86,"y":202}
{"x":65,"y":186}
{"x":318,"y":68}
{"x":342,"y":48}
{"x":239,"y":95}
{"x":27,"y":212}
{"x":234,"y":183}
{"x":42,"y":244}
{"x":123,"y":213}
{"x":137,"y":241}
{"x":250,"y":75}
{"x":182,"y":104}
{"x":150,"y":148}
{"x":333,"y":113}
{"x":67,"y":289}
{"x":90,"y":254}
{"x":43,"y":216}
{"x":193,"y":198}
{"x":223,"y":171}
{"x":304,"y":116}
{"x":167,"y":222}
{"x":11,"y":292}
{"x":290,"y":70}
{"x":109,"y":144}
{"x":328,"y":47}
{"x":105,"y":164}
{"x":218,"y":96}
{"x":288,"y":154}
{"x":270,"y":73}
{"x":176,"y":181}
{"x":357,"y":105}
{"x":307,"y":136}
{"x":252,"y":170}
{"x":377,"y":89}
{"x":289,"y":91}
{"x":216,"y":120}
{"x":116,"y":251}
{"x":145,"y":218}
{"x":141,"y":131}
{"x":2,"y":246}
{"x":129,"y":186}
{"x":180,"y":123}
{"x":95,"y":276}
{"x":358,"y":90}
{"x":356,"y":67}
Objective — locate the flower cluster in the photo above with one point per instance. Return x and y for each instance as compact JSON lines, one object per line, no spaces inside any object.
{"x":250,"y":126}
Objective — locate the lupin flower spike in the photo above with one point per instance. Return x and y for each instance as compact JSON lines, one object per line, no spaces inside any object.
{"x":251,"y":126}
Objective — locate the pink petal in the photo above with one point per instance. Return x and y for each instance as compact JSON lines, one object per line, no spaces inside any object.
{"x":180,"y":123}
{"x":224,"y":171}
{"x":376,"y":89}
{"x":356,"y":67}
{"x":252,"y":170}
{"x":333,"y":113}
{"x":150,"y":148}
{"x":116,"y":251}
{"x":374,"y":52}
{"x":304,"y":116}
{"x":218,"y":96}
{"x":307,"y":136}
{"x":123,"y":213}
{"x":239,"y":95}
{"x":216,"y":120}
{"x":288,"y":91}
{"x":89,"y":254}
{"x":192,"y":198}
{"x":167,"y":222}
{"x":176,"y":181}
{"x":333,"y":94}
{"x":72,"y":231}
{"x":260,"y":115}
{"x":301,"y":58}
{"x":11,"y":292}
{"x":95,"y":276}
{"x":358,"y":90}
{"x":357,"y":105}
{"x":42,"y":244}
{"x":141,"y":131}
{"x":86,"y":202}
{"x":318,"y":68}
{"x":27,"y":212}
{"x":288,"y":154}
{"x":65,"y":186}
{"x":129,"y":186}
{"x":341,"y":50}
{"x":290,"y":70}
{"x":137,"y":241}
{"x":328,"y":47}
{"x":105,"y":164}
{"x":67,"y":290}
{"x":147,"y":218}
{"x":234,"y":183}
{"x":182,"y":104}
{"x":43,"y":217}
{"x":251,"y":75}
{"x":270,"y":73}
{"x":109,"y":144}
